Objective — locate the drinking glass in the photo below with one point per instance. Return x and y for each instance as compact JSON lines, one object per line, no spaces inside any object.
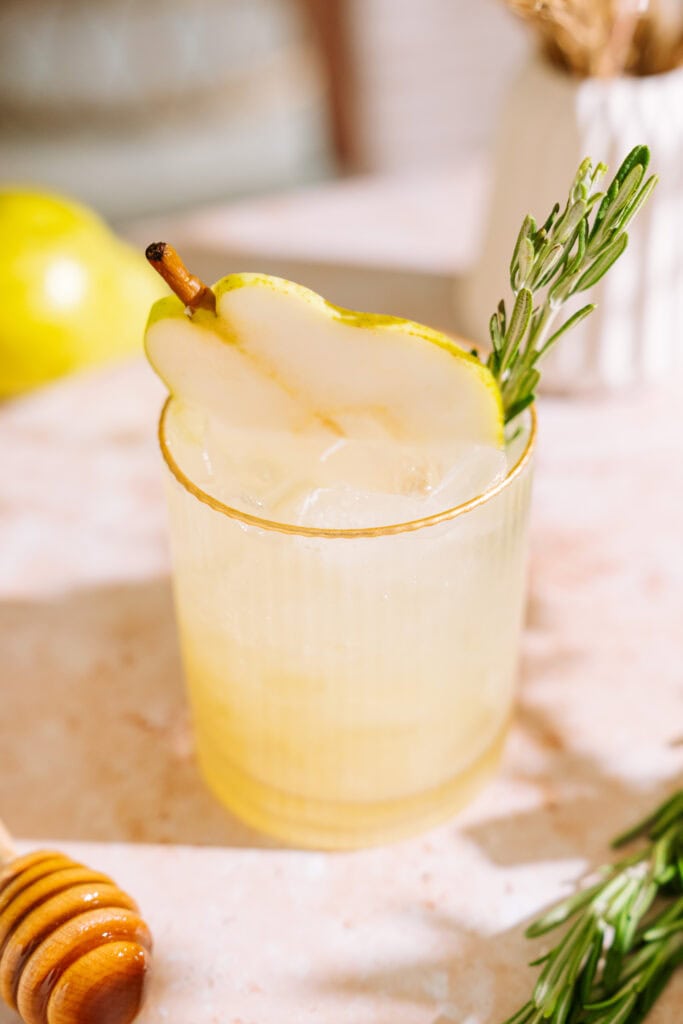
{"x":348,"y":687}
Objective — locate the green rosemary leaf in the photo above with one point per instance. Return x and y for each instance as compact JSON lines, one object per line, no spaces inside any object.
{"x":627,"y":190}
{"x":564,"y":1007}
{"x":669,"y":922}
{"x":573,"y":320}
{"x":666,"y":817}
{"x":519,"y":322}
{"x":663,"y":931}
{"x":577,"y":259}
{"x":607,"y":200}
{"x":526,"y":231}
{"x":560,"y":967}
{"x":644,"y":826}
{"x":521,"y":385}
{"x":562,"y":911}
{"x":618,"y":1014}
{"x":637,"y":965}
{"x":617,"y":999}
{"x":622,"y":200}
{"x":587,"y":977}
{"x":594,"y":200}
{"x":495,"y":333}
{"x":632,"y":208}
{"x":602,"y":264}
{"x":502,"y":315}
{"x":548,"y":265}
{"x":540,"y":959}
{"x":524,"y":1015}
{"x":651,"y":994}
{"x":526,"y":258}
{"x":565,"y":229}
{"x":663,"y":867}
{"x":599,"y":172}
{"x":625,"y":915}
{"x":638,"y":155}
{"x":642,"y":902}
{"x":550,"y":219}
{"x":583,"y":181}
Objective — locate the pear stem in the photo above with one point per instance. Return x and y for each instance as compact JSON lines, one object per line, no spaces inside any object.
{"x":191,"y":291}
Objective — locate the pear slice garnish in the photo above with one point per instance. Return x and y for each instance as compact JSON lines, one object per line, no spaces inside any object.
{"x":261,"y":353}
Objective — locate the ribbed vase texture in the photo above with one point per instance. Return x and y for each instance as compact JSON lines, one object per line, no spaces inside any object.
{"x":550,"y":123}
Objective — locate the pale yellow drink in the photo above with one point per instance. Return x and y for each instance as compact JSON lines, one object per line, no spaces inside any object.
{"x":347,"y":687}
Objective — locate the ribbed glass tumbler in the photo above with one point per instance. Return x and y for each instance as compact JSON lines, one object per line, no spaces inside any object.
{"x":349,"y":687}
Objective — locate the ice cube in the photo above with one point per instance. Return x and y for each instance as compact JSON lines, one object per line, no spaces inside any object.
{"x":478,"y":469}
{"x":341,"y":507}
{"x":329,"y":482}
{"x":382,"y":465}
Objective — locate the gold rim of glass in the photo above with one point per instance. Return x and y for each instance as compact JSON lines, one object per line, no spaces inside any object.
{"x":314,"y":531}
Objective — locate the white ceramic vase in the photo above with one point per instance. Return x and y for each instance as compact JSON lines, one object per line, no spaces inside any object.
{"x":550,"y":122}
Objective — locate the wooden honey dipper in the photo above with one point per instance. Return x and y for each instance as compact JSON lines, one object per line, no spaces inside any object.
{"x":73,"y":948}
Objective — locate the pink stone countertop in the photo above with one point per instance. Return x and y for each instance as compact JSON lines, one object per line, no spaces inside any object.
{"x":95,"y":749}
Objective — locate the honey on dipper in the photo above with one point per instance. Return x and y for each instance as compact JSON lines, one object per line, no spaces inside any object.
{"x":73,"y":947}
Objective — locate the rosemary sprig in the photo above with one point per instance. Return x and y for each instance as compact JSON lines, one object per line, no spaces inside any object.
{"x":624,"y":937}
{"x":568,"y":254}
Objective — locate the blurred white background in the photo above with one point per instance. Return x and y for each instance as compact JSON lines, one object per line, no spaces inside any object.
{"x":141,"y":107}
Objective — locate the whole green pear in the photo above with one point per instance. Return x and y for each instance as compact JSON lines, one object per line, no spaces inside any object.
{"x":71,"y":293}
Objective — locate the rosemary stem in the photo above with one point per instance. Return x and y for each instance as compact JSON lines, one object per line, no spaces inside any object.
{"x":623,"y":937}
{"x":568,"y":254}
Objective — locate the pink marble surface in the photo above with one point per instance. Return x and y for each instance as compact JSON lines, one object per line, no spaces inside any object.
{"x":96,"y":751}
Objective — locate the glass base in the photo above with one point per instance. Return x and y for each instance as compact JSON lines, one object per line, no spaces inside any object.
{"x":318,"y":825}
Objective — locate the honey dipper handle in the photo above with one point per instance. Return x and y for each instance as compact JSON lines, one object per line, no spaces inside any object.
{"x":7,"y":849}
